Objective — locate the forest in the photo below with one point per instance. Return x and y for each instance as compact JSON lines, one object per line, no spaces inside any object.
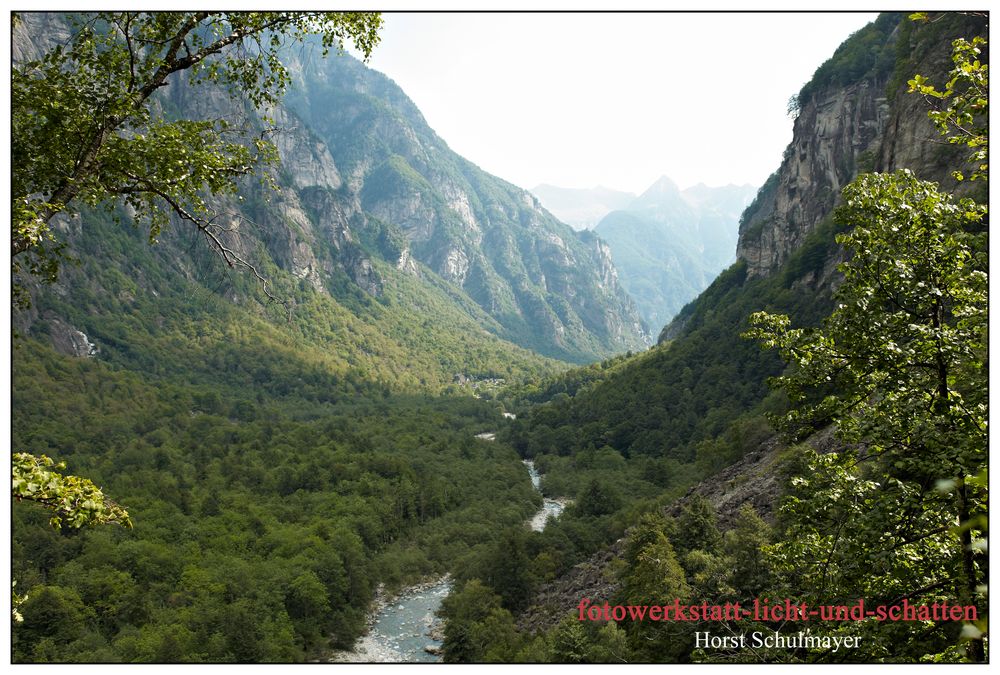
{"x":270,"y":449}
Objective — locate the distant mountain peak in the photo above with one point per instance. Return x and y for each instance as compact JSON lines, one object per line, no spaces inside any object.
{"x":663,"y":186}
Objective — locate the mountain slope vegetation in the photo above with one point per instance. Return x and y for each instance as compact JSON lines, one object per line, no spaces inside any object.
{"x":668,"y":244}
{"x":281,"y":457}
{"x":639,"y":432}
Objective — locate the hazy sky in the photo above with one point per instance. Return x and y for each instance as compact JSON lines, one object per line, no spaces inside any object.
{"x":618,"y":100}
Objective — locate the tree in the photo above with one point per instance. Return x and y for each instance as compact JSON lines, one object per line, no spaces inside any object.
{"x":54,"y":617}
{"x":464,"y":613}
{"x":744,"y":544}
{"x":697,"y":528}
{"x":76,"y":501}
{"x":899,"y":367}
{"x":961,"y":110}
{"x":508,"y":569}
{"x":597,"y":499}
{"x":87,"y":126}
{"x":652,"y":575}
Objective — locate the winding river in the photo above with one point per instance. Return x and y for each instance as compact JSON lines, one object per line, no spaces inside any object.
{"x":405,"y":629}
{"x":550,"y":507}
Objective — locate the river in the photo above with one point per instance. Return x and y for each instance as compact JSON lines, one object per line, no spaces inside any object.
{"x":550,"y":507}
{"x":405,"y":627}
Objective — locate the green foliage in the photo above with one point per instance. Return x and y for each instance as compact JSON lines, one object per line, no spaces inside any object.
{"x":697,"y":528}
{"x":867,"y":53}
{"x":877,"y":523}
{"x":597,"y":499}
{"x":961,"y":111}
{"x":87,"y":127}
{"x":648,"y":427}
{"x":76,"y":501}
{"x":54,"y":617}
{"x":259,"y":538}
{"x":899,"y":367}
{"x":812,"y":255}
{"x":465,"y":612}
{"x":15,"y":603}
{"x":652,"y":574}
{"x":530,"y":274}
{"x":752,"y":232}
{"x":508,"y":569}
{"x":914,"y":293}
{"x":750,"y":572}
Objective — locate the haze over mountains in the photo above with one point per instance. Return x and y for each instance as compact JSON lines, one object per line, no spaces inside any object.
{"x":581,"y":208}
{"x":667,"y":244}
{"x":697,"y":404}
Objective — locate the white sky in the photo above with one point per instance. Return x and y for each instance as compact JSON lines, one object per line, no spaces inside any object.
{"x":618,"y":100}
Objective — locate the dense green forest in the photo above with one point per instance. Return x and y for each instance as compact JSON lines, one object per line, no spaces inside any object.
{"x":894,"y":357}
{"x":262,"y":525}
{"x":282,"y":451}
{"x":284,"y":454}
{"x":316,"y":454}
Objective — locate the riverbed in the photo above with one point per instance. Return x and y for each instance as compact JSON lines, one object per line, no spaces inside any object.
{"x":551,"y":508}
{"x":405,"y":628}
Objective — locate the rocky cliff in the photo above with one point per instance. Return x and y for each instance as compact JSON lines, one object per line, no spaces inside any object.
{"x":837,"y":126}
{"x":368,"y":191}
{"x":854,"y":116}
{"x":680,"y":399}
{"x":554,"y":290}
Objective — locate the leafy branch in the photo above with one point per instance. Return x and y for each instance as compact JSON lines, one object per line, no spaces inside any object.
{"x":76,"y":501}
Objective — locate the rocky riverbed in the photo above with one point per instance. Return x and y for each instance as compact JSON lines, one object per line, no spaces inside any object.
{"x":403,"y":628}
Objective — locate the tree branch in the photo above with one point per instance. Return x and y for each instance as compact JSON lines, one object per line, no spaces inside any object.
{"x":231,"y":257}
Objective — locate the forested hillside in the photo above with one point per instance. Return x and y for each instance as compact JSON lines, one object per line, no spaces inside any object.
{"x":314,"y":383}
{"x":281,"y":453}
{"x":669,"y":244}
{"x":633,"y":435}
{"x":552,"y":290}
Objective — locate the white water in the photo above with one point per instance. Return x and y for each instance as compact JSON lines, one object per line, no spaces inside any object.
{"x":551,"y":508}
{"x":401,"y":630}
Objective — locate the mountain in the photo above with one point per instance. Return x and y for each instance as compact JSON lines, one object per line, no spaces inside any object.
{"x":702,"y":375}
{"x":693,"y":405}
{"x":553,"y":290}
{"x":372,"y":201}
{"x":581,"y":208}
{"x":668,"y":244}
{"x":282,"y":459}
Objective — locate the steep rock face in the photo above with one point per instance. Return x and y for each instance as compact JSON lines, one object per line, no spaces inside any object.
{"x":869,"y":123}
{"x":910,"y":139}
{"x":552,"y":289}
{"x":793,"y":258}
{"x":68,"y":340}
{"x":304,"y":157}
{"x":831,"y":133}
{"x":364,"y":178}
{"x":305,"y":225}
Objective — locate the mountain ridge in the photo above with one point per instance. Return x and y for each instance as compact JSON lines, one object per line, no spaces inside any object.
{"x":369,"y":180}
{"x":668,"y":243}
